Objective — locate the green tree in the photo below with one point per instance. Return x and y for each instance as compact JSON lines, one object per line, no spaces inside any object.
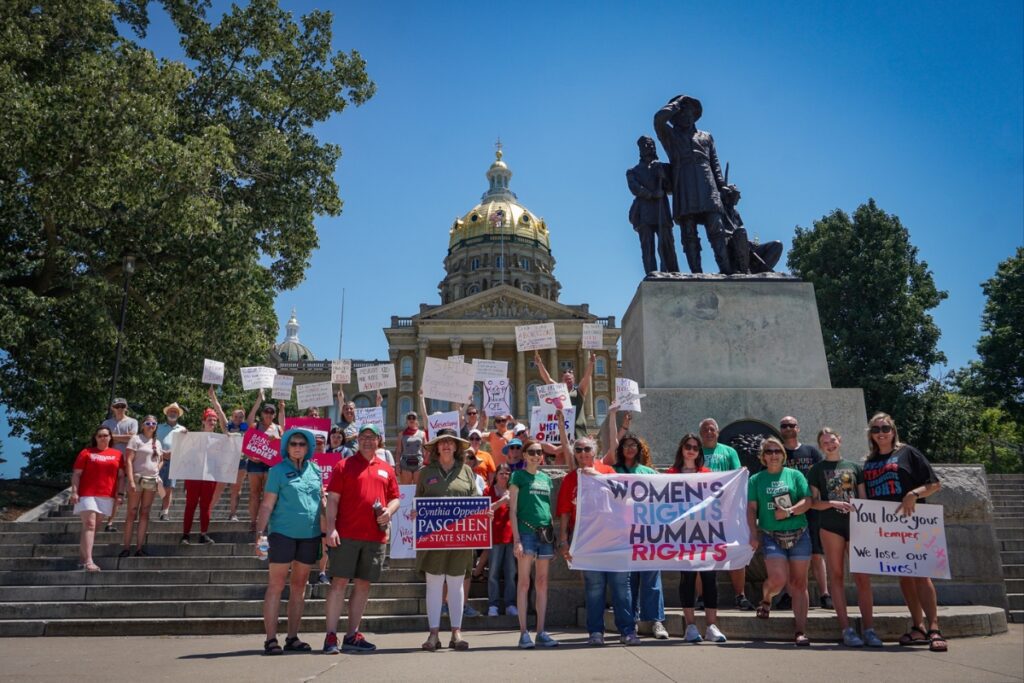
{"x":873,"y":296}
{"x":208,"y":173}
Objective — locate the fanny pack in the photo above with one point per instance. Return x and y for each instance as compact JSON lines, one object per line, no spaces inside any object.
{"x":545,"y":534}
{"x":786,"y":539}
{"x":147,"y":483}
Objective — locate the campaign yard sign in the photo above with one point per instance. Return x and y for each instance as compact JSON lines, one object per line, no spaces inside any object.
{"x":452,"y":523}
{"x":889,"y":544}
{"x":257,"y":446}
{"x":533,"y":337}
{"x":439,"y":421}
{"x":403,"y":525}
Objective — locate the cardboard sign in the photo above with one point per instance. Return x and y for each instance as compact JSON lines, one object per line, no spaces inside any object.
{"x":554,"y":396}
{"x":452,"y":523}
{"x":316,"y":425}
{"x":206,"y":456}
{"x":374,"y":377}
{"x":532,"y":337}
{"x":489,"y":369}
{"x":370,"y":416}
{"x":259,"y":447}
{"x":457,"y":359}
{"x":314,"y":395}
{"x":283,"y":387}
{"x":885,"y":543}
{"x":544,"y":426}
{"x":593,"y":336}
{"x":439,"y":421}
{"x":213,"y":372}
{"x":258,"y":377}
{"x":326,"y":463}
{"x":627,"y":393}
{"x":446,"y":380}
{"x":497,"y":396}
{"x":403,"y":525}
{"x":341,"y":371}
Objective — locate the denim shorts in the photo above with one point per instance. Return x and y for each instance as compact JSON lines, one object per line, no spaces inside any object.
{"x":801,"y":550}
{"x":253,"y":467}
{"x":165,"y":474}
{"x":533,"y":546}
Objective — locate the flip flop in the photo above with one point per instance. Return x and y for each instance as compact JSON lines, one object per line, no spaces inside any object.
{"x":91,"y":567}
{"x":909,"y":639}
{"x":936,"y":642}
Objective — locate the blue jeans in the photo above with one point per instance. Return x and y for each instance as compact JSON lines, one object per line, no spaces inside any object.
{"x":648,"y":600}
{"x":618,"y":582}
{"x":502,"y":565}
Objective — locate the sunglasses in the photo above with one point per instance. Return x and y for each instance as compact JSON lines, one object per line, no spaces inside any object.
{"x":501,"y":420}
{"x":631,"y":444}
{"x":534,"y":451}
{"x":884,"y":429}
{"x":515,"y":448}
{"x":472,"y":413}
{"x":691,"y":447}
{"x":772,"y":451}
{"x":788,"y":425}
{"x":583,"y":449}
{"x":149,"y":424}
{"x":474,"y":438}
{"x":298,"y":444}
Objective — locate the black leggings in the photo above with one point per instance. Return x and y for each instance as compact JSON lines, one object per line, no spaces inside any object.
{"x":709,"y":587}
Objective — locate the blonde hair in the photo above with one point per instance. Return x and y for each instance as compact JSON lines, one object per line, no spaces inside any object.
{"x":872,"y":446}
{"x":767,"y":440}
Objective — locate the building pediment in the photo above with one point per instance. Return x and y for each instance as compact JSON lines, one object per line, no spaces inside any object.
{"x":505,"y":302}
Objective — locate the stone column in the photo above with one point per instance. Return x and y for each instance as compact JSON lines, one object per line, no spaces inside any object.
{"x":612,"y":369}
{"x":456,"y":343}
{"x":588,"y":401}
{"x":488,"y":347}
{"x":421,"y":361}
{"x":391,"y":417}
{"x":521,"y":386}
{"x":553,"y":370}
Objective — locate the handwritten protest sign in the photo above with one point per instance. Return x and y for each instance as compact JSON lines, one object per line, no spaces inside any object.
{"x":283,"y":387}
{"x":553,"y":395}
{"x":258,"y":377}
{"x":641,"y":522}
{"x":489,"y":369}
{"x":373,"y":416}
{"x":446,"y":380}
{"x":206,"y":456}
{"x":531,"y":337}
{"x":593,"y":336}
{"x":497,"y":396}
{"x":257,"y":446}
{"x":627,"y":393}
{"x":213,"y":372}
{"x":326,"y":463}
{"x":403,"y":525}
{"x":457,"y":359}
{"x":341,"y":371}
{"x":314,"y":395}
{"x":373,"y":377}
{"x":883,"y":542}
{"x":439,"y":421}
{"x":449,"y":523}
{"x":544,"y":426}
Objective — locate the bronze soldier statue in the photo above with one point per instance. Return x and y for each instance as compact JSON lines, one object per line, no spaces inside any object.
{"x":745,"y":256}
{"x":649,"y":182}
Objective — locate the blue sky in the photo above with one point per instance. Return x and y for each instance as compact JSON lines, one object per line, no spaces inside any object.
{"x":816,"y":106}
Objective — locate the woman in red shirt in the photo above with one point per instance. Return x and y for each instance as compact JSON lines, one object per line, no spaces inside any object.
{"x":502,"y":560}
{"x":93,"y":486}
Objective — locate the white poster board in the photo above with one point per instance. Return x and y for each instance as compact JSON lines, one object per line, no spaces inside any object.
{"x":553,"y":396}
{"x":314,"y":395}
{"x":374,"y":377}
{"x":213,"y":372}
{"x":544,"y":426}
{"x":206,"y":456}
{"x":884,"y":543}
{"x":531,"y":337}
{"x":403,"y":525}
{"x":283,"y":387}
{"x":438,"y":421}
{"x":341,"y":371}
{"x":627,"y":393}
{"x":447,"y":380}
{"x":489,"y":369}
{"x":457,"y":359}
{"x":373,"y":416}
{"x":593,"y":336}
{"x":497,"y":397}
{"x":258,"y":377}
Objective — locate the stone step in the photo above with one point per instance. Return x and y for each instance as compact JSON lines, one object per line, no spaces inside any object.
{"x":133,"y":577}
{"x":1011,"y":557}
{"x":1013,"y":571}
{"x":158,"y":563}
{"x":1014,"y":586}
{"x":1016,"y":601}
{"x":1016,"y":616}
{"x":184,"y":592}
{"x":1011,"y":545}
{"x":237,"y":534}
{"x":1009,"y":533}
{"x":1008,"y":522}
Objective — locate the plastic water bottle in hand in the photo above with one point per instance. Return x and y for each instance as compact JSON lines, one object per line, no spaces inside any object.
{"x":263,"y":547}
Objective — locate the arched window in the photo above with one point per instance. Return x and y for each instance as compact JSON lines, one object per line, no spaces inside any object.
{"x":406,"y":366}
{"x":499,"y":261}
{"x":599,"y":366}
{"x":404,"y":406}
{"x":474,"y":264}
{"x":436,"y":406}
{"x":601,"y":408}
{"x":527,"y":288}
{"x":362,"y":401}
{"x":531,"y":398}
{"x":473,"y":289}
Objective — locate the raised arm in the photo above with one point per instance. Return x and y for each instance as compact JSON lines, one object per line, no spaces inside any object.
{"x":423,"y":406}
{"x":251,"y":418}
{"x":379,"y":399}
{"x":613,"y":435}
{"x":587,"y":374}
{"x":340,"y":398}
{"x":215,"y":402}
{"x":540,"y":368}
{"x":564,"y":448}
{"x":280,"y":415}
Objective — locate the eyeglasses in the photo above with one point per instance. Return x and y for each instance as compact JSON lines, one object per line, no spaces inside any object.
{"x":149,"y":424}
{"x":691,"y":447}
{"x":298,"y":444}
{"x":474,"y":438}
{"x":534,"y":451}
{"x":884,"y":429}
{"x":631,"y":444}
{"x":772,"y":451}
{"x":788,"y":425}
{"x":472,"y":413}
{"x":500,"y":419}
{"x":583,"y":449}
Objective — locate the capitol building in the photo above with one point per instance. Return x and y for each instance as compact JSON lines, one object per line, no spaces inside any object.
{"x":499,"y":273}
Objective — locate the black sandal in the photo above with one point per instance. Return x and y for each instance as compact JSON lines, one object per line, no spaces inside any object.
{"x":293,"y":644}
{"x":909,"y":639}
{"x":270,"y":647}
{"x":936,"y":641}
{"x":124,"y":553}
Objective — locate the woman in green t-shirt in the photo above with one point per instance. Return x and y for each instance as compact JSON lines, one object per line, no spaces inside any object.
{"x":532,"y":539}
{"x":777,"y":498}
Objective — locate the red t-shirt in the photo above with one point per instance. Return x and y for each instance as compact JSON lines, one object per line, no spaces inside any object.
{"x":673,"y":470}
{"x":359,"y":483}
{"x":567,"y":494}
{"x":99,"y":472}
{"x":501,"y":527}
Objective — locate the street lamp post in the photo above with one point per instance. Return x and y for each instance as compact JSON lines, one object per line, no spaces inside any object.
{"x":129,"y":269}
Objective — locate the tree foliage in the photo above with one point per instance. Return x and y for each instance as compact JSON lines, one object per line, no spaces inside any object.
{"x":873,"y":296}
{"x":208,"y":173}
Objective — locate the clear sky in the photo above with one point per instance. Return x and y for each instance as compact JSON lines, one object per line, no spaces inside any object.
{"x":816,"y":106}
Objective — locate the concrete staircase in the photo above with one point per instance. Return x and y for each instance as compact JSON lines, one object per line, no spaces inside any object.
{"x":1008,"y":503}
{"x":196,"y":589}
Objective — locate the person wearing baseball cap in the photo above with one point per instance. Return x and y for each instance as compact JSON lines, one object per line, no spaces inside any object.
{"x":513,"y":452}
{"x":256,"y":470}
{"x":122,"y":429}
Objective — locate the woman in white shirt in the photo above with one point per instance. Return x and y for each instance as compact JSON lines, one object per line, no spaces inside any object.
{"x":143,"y":457}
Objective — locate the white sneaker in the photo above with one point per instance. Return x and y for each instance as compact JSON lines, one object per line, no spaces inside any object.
{"x":713,"y":635}
{"x":660,"y":633}
{"x":492,"y":611}
{"x":512,"y":611}
{"x":692,"y":635}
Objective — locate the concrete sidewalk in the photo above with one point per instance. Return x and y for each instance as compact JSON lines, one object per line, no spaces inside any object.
{"x":494,"y":657}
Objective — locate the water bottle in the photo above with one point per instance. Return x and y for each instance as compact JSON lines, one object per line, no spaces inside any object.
{"x":263,"y":547}
{"x":378,"y":510}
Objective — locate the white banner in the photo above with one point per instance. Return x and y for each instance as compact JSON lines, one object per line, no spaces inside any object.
{"x":213,"y":372}
{"x":373,"y":377}
{"x":457,"y":359}
{"x":341,"y":371}
{"x":314,"y":395}
{"x":489,"y":369}
{"x":544,"y":426}
{"x":403,"y":525}
{"x":497,"y":397}
{"x":627,"y":393}
{"x":679,"y":522}
{"x":555,"y":396}
{"x":438,"y":421}
{"x":258,"y":377}
{"x":882,"y":542}
{"x":206,"y":456}
{"x":370,"y":416}
{"x":447,"y":380}
{"x":530,"y":337}
{"x":593,"y":336}
{"x":283,"y":387}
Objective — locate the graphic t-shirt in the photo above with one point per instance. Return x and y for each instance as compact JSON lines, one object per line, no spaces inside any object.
{"x":501,"y":525}
{"x":145,"y":462}
{"x":784,"y":489}
{"x":891,"y":477}
{"x":534,"y":499}
{"x":567,"y":494}
{"x":721,"y":458}
{"x":835,"y":481}
{"x":359,"y":483}
{"x":99,"y":472}
{"x":803,"y":458}
{"x":296,"y":512}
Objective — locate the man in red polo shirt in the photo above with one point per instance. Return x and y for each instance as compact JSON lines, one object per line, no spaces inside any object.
{"x":361,"y":498}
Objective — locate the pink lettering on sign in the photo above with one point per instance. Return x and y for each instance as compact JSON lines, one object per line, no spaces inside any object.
{"x":257,"y":446}
{"x":317,"y":424}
